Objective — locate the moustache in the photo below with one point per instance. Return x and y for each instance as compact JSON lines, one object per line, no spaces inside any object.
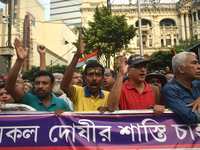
{"x":40,"y":90}
{"x":93,"y":83}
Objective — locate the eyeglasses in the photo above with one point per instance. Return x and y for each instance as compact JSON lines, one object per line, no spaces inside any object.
{"x":138,"y":66}
{"x":107,"y":74}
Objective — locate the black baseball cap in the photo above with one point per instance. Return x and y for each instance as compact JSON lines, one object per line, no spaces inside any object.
{"x":136,"y":59}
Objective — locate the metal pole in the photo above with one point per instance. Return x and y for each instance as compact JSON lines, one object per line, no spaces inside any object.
{"x":9,"y":33}
{"x":140,"y":29}
{"x":9,"y":23}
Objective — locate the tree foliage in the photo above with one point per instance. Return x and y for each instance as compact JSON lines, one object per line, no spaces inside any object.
{"x":161,"y":59}
{"x":53,"y":69}
{"x":108,"y":33}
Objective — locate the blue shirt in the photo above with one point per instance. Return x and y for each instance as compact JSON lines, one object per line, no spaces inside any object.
{"x":176,"y":96}
{"x":33,"y":101}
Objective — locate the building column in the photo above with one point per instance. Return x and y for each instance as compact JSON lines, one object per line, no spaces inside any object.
{"x":182,"y":26}
{"x":192,"y":17}
{"x":172,"y":39}
{"x":164,"y":40}
{"x":187,"y":26}
{"x":156,"y":42}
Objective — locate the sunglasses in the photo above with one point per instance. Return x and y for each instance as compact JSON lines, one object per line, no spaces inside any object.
{"x":138,"y":66}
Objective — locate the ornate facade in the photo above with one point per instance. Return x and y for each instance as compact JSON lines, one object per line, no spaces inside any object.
{"x":163,"y":24}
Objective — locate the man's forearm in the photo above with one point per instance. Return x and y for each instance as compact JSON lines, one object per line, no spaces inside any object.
{"x":42,"y":62}
{"x":115,"y":93}
{"x":67,"y":78}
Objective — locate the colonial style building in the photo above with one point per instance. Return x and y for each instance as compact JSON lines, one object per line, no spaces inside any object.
{"x":163,"y":24}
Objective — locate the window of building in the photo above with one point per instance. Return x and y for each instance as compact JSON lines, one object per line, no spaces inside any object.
{"x":162,"y":42}
{"x":167,"y":22}
{"x":175,"y":42}
{"x":198,"y":14}
{"x":15,"y":2}
{"x":194,"y":15}
{"x":168,"y":42}
{"x":150,"y":42}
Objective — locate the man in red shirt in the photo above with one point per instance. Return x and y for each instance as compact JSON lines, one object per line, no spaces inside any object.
{"x":136,"y":93}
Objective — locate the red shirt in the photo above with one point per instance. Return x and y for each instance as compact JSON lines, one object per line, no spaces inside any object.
{"x":131,"y":99}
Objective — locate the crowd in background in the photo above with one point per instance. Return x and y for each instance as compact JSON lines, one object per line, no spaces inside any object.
{"x":132,"y":88}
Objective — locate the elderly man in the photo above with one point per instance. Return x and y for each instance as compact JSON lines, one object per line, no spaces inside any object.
{"x":156,"y":79}
{"x":90,"y":97}
{"x":182,"y":95}
{"x":109,"y":80}
{"x":77,"y":78}
{"x":135,"y":93}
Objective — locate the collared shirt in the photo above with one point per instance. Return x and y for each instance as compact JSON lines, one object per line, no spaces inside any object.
{"x":131,"y":99}
{"x":176,"y":96}
{"x":84,"y":101}
{"x":33,"y":101}
{"x":68,"y":101}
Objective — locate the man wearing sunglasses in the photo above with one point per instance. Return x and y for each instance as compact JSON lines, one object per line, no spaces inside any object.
{"x":135,"y":93}
{"x":108,"y":80}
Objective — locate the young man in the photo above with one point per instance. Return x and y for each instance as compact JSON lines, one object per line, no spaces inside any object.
{"x":182,"y":95}
{"x":109,"y":80}
{"x":90,"y":97}
{"x":43,"y":100}
{"x":135,"y":93}
{"x":5,"y":97}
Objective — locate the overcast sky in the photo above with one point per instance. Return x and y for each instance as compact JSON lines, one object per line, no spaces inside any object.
{"x":46,"y":3}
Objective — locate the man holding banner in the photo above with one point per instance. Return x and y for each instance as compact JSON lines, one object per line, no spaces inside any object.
{"x":44,"y":100}
{"x":90,"y":97}
{"x":182,"y":95}
{"x":135,"y":93}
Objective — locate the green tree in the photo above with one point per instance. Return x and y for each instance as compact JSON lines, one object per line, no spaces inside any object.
{"x":160,"y":59}
{"x":108,"y":34}
{"x":53,"y":69}
{"x":186,"y":44}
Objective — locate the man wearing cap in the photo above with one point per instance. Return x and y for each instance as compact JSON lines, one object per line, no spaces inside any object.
{"x":108,"y":80}
{"x":136,"y":93}
{"x":156,"y":79}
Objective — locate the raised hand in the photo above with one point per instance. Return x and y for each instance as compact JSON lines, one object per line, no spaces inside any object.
{"x":81,"y":45}
{"x":122,"y":66}
{"x":41,"y":49}
{"x":21,"y":53}
{"x":17,"y":43}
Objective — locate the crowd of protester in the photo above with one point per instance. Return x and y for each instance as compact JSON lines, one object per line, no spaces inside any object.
{"x":131,"y":89}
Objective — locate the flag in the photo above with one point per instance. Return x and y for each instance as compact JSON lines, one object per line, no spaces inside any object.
{"x":87,"y":59}
{"x":175,"y":52}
